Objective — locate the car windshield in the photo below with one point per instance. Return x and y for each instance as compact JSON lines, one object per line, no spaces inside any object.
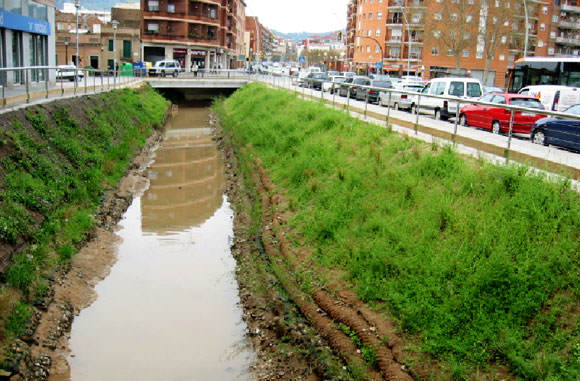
{"x":527,"y":102}
{"x":413,"y":88}
{"x":383,"y":84}
{"x":573,"y":110}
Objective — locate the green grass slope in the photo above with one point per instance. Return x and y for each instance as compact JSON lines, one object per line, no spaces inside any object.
{"x":479,"y":263}
{"x":56,"y":161}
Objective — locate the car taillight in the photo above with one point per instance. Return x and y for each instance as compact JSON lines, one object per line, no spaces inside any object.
{"x":371,"y":91}
{"x":404,"y":96}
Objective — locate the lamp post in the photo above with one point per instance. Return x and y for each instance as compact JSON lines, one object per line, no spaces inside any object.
{"x":379,"y":45}
{"x":77,"y":6}
{"x":527,"y":29}
{"x":409,"y":38}
{"x":115,"y":24}
{"x":66,"y":52}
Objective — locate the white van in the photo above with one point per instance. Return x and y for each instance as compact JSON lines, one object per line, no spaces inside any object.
{"x":466,"y":88}
{"x":553,"y":97}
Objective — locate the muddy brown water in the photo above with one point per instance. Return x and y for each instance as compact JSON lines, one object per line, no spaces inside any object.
{"x":169,"y":309}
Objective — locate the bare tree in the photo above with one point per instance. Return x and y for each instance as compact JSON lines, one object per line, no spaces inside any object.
{"x":496,"y":23}
{"x":454,"y":26}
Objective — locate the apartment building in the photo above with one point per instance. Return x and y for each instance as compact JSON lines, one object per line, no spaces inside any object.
{"x":124,"y":43}
{"x":254,"y":29}
{"x":205,"y":32}
{"x":351,"y":13}
{"x":89,"y":35}
{"x":26,"y":39}
{"x":480,"y":38}
{"x":564,"y":37}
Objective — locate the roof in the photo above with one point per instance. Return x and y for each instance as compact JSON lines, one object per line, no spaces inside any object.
{"x":548,"y":59}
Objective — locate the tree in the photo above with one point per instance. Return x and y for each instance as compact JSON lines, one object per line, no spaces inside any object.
{"x":453,"y":27}
{"x":497,"y":18}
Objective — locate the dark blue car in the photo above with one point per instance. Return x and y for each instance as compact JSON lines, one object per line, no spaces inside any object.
{"x":558,"y":131}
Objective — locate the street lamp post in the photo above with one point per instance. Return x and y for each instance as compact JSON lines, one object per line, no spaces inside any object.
{"x":115,"y":24}
{"x":77,"y":6}
{"x":409,"y":38}
{"x":379,"y":45}
{"x":66,"y":52}
{"x":527,"y":29}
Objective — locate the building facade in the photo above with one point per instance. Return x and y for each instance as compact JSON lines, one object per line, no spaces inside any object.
{"x":89,"y":36}
{"x":27,"y":38}
{"x":205,"y":32}
{"x":124,"y":43}
{"x":480,"y":38}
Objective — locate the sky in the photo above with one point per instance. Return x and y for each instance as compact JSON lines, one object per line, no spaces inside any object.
{"x":299,"y":15}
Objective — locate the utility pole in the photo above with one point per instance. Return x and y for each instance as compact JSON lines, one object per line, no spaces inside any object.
{"x":77,"y":6}
{"x":115,"y":23}
{"x":527,"y":29}
{"x":409,"y":40}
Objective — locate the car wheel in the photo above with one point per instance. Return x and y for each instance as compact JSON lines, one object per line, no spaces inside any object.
{"x":437,"y":114}
{"x":463,"y":120}
{"x":539,"y":137}
{"x":175,"y":74}
{"x":163,"y":73}
{"x":495,"y":127}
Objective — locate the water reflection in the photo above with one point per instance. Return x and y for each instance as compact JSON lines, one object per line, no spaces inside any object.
{"x":169,"y":308}
{"x":186,"y":179}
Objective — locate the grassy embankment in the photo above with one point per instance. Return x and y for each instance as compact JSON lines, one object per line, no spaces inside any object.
{"x":56,"y":162}
{"x":478,"y":263}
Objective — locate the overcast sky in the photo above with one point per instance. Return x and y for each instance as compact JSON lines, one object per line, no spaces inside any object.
{"x":299,"y":15}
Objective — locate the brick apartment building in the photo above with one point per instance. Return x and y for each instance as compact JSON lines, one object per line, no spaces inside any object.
{"x":207,"y":32}
{"x":406,"y":35}
{"x":262,"y":42}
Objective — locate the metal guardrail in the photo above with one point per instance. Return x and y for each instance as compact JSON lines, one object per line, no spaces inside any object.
{"x":459,"y":101}
{"x":41,"y":81}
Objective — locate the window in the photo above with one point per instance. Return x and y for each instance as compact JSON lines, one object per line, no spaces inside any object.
{"x":153,"y":5}
{"x":450,"y":53}
{"x":502,"y":57}
{"x":370,"y":16}
{"x":465,"y":53}
{"x":438,"y":88}
{"x":503,"y":39}
{"x":379,"y":15}
{"x":487,"y":98}
{"x":473,"y":90}
{"x":153,"y":28}
{"x":542,"y":27}
{"x":435,"y":51}
{"x":456,"y":89}
{"x":437,"y":16}
{"x":378,"y":32}
{"x":498,"y":99}
{"x":126,"y":49}
{"x":453,"y":17}
{"x":545,"y":10}
{"x":111,"y":45}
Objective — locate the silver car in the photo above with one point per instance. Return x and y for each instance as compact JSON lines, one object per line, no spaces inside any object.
{"x":398,"y":100}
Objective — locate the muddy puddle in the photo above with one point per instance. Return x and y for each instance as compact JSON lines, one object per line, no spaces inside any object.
{"x":169,"y":309}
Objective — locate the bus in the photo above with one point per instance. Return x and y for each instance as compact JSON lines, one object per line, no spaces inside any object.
{"x":564,"y":71}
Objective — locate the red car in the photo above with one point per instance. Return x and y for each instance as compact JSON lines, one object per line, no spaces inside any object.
{"x":497,"y":119}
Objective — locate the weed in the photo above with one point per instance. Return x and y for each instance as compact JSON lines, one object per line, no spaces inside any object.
{"x":467,"y":255}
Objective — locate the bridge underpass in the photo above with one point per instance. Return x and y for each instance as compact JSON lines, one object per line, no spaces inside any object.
{"x":191,"y":89}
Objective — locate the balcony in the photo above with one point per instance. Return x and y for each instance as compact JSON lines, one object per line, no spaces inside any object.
{"x":569,"y":24}
{"x":570,"y":8}
{"x":568,"y":41}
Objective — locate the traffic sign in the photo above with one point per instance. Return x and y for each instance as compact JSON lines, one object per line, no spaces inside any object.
{"x":302,"y":59}
{"x":378,"y":65}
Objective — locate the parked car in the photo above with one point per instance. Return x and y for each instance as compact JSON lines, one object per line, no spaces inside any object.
{"x":349,"y":74}
{"x":442,"y":109}
{"x":401,"y":101}
{"x":361,"y":81}
{"x":332,"y":73}
{"x":383,"y":77}
{"x":497,"y":119}
{"x":372,"y":95}
{"x":343,"y":90}
{"x":69,"y":72}
{"x":333,"y":83}
{"x":559,"y":131}
{"x":165,"y":67}
{"x":491,"y":89}
{"x":553,"y":97}
{"x":315,"y":80}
